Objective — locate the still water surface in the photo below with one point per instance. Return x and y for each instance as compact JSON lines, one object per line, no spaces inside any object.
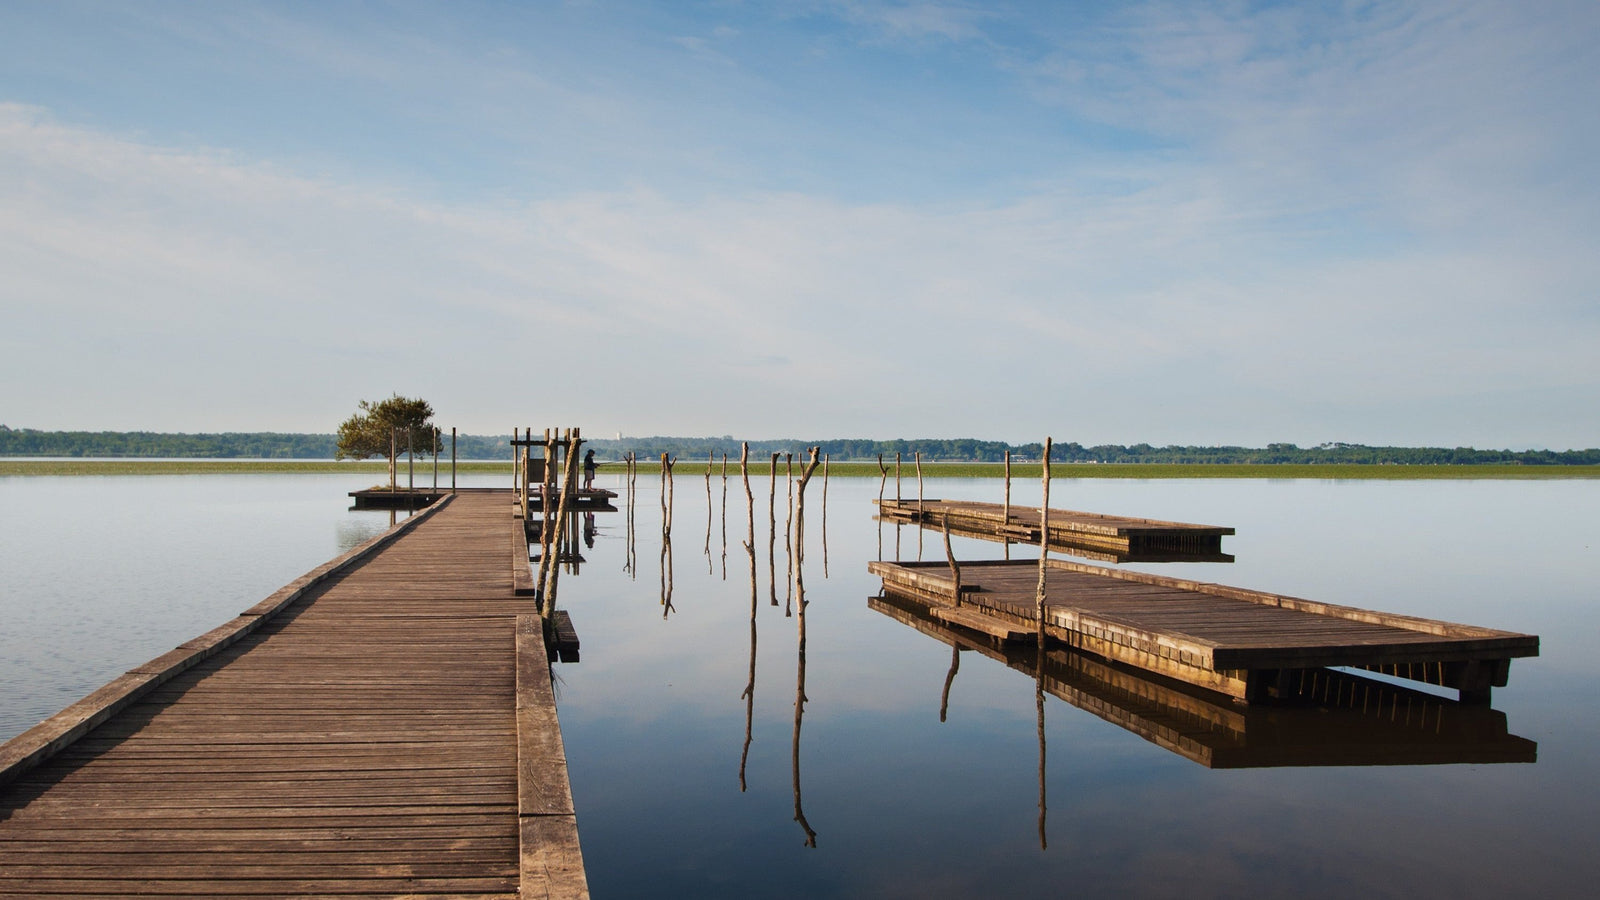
{"x":102,"y":573}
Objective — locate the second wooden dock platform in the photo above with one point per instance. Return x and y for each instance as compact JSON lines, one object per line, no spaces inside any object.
{"x":1243,"y":643}
{"x":1122,"y":538}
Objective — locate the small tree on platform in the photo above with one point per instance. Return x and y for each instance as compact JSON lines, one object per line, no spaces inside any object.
{"x":381,"y":429}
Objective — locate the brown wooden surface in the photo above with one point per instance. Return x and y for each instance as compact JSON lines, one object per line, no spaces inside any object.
{"x":1202,"y":633}
{"x":1115,"y":538}
{"x":363,"y":741}
{"x":1338,"y":719}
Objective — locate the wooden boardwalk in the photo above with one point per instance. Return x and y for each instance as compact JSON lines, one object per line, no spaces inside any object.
{"x":1243,"y":643}
{"x":1335,"y":719}
{"x":389,"y":731}
{"x":1114,"y":538}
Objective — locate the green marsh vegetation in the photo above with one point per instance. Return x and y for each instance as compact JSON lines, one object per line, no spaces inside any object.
{"x":851,"y":469}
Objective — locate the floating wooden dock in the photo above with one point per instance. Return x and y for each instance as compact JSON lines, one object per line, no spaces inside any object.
{"x":385,"y":725}
{"x":400,"y":498}
{"x":1335,"y":719}
{"x":1246,"y":644}
{"x":1112,"y":538}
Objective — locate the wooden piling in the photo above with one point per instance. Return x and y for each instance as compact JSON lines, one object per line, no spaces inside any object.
{"x":1044,"y":540}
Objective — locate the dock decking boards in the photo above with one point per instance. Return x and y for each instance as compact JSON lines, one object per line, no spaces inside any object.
{"x":1112,"y":538}
{"x":363,"y":741}
{"x":1232,"y":640}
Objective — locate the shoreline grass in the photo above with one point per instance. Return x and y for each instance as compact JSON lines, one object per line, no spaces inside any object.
{"x":854,"y":469}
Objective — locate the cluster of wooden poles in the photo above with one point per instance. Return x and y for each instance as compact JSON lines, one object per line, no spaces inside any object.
{"x":561,"y":454}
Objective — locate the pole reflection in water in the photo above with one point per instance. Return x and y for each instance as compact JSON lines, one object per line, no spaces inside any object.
{"x":1038,"y":701}
{"x":711,"y":460}
{"x":630,"y":557}
{"x":824,"y":516}
{"x":800,"y":649}
{"x":666,"y":574}
{"x":949,"y":678}
{"x":666,"y":535}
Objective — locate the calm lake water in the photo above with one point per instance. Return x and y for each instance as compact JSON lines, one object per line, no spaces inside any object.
{"x":103,"y":573}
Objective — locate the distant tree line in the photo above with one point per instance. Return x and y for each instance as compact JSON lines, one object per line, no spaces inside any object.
{"x":278,"y":445}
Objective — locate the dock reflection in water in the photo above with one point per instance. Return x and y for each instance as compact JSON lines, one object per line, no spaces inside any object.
{"x":1335,"y":719}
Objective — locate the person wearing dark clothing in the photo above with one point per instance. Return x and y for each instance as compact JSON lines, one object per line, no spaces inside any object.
{"x":589,"y":465}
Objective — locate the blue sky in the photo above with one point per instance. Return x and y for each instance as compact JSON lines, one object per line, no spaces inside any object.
{"x":1162,"y":222}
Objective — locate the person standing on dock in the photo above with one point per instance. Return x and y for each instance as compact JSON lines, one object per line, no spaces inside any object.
{"x":589,"y":465}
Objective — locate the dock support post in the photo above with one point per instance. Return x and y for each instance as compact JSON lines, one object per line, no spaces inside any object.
{"x":452,"y":459}
{"x":1044,"y":541}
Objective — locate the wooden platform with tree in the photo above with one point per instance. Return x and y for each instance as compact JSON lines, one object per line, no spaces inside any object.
{"x":1243,"y":643}
{"x":384,"y":725}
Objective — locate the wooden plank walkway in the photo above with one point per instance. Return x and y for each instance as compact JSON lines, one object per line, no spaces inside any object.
{"x":1114,"y":538}
{"x":391,"y":731}
{"x":1243,"y":643}
{"x":1337,"y":720}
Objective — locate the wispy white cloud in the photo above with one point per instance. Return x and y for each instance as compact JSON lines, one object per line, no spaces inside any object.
{"x":778,"y":313}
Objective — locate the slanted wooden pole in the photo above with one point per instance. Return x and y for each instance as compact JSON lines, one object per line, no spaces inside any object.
{"x":883,"y":478}
{"x":568,"y":488}
{"x":950,"y":557}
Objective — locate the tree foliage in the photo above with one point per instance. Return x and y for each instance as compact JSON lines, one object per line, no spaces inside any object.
{"x":388,"y":425}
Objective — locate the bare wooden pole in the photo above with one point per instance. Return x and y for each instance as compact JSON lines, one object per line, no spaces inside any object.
{"x":772,"y":529}
{"x":883,"y":477}
{"x":452,"y":459}
{"x":897,"y":476}
{"x":1007,"y":506}
{"x":1007,"y":510}
{"x":724,"y":516}
{"x":666,"y":522}
{"x":526,"y":451}
{"x":919,"y":484}
{"x":950,"y":557}
{"x":433,"y":448}
{"x":1044,"y":541}
{"x":394,"y":450}
{"x":711,"y":461}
